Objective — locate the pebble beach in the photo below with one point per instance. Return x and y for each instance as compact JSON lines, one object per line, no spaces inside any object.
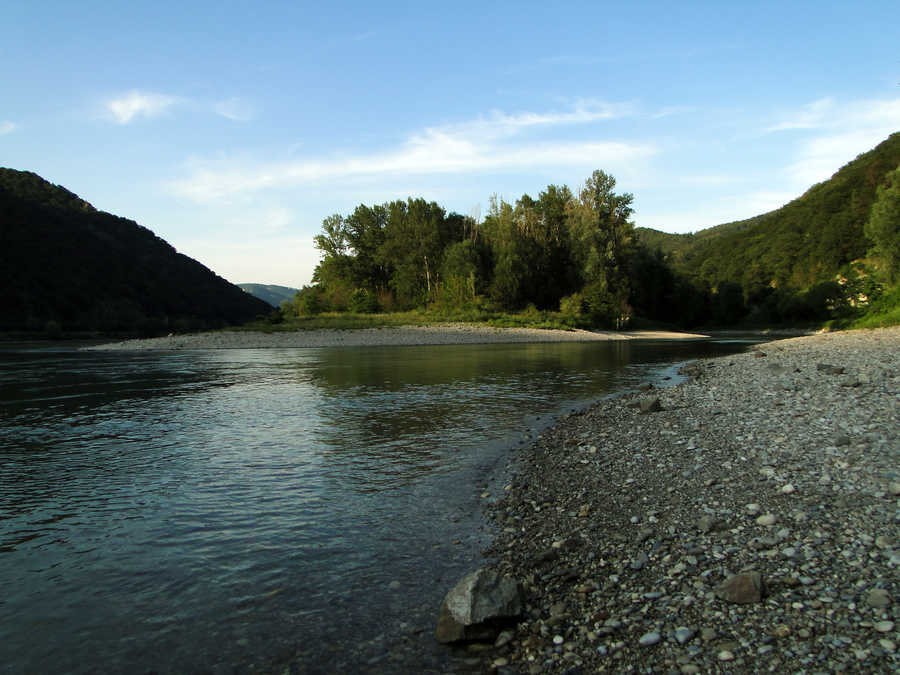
{"x":448,"y":334}
{"x":744,"y":520}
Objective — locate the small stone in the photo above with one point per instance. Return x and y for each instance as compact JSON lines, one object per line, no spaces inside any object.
{"x":640,"y":561}
{"x":752,"y":509}
{"x":767,"y":520}
{"x":690,"y":669}
{"x":781,"y":631}
{"x":894,"y":489}
{"x":787,"y":489}
{"x":741,"y":588}
{"x":650,"y":404}
{"x":842,"y":440}
{"x":707,"y":634}
{"x":584,"y":511}
{"x":709,"y":524}
{"x":884,"y":626}
{"x":884,"y":542}
{"x":888,"y":645}
{"x":726,"y":655}
{"x":500,"y":662}
{"x":504,"y":639}
{"x":684,"y":634}
{"x":651,"y":638}
{"x":878,"y":598}
{"x":558,"y":639}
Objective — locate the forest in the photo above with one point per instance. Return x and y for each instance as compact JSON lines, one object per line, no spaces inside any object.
{"x":828,"y":256}
{"x":68,"y":269}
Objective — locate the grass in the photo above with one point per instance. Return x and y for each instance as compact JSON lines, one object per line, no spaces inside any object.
{"x":530,"y":318}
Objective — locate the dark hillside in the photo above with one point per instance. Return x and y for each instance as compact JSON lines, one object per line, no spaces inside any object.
{"x":66,"y":266}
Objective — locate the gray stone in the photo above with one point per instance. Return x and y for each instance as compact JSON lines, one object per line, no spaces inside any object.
{"x":709,"y":524}
{"x":884,"y":626}
{"x":650,"y":404}
{"x":651,"y":638}
{"x":683,"y":634}
{"x":472,"y":608}
{"x":742,"y":588}
{"x":639,"y":561}
{"x":767,"y":520}
{"x":878,"y":598}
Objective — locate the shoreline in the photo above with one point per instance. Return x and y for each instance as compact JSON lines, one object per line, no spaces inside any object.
{"x":784,"y":460}
{"x":447,"y":334}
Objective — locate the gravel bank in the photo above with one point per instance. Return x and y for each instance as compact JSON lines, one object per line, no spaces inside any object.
{"x":449,"y":334}
{"x":784,"y":461}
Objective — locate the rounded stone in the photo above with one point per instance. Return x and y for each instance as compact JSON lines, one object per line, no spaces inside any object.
{"x":884,"y":626}
{"x":726,"y":655}
{"x":651,"y":638}
{"x":767,"y":520}
{"x":878,"y":598}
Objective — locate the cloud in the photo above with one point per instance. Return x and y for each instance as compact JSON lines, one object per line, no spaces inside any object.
{"x":811,"y":116}
{"x":843,"y":132}
{"x":235,"y":110}
{"x":135,"y":103}
{"x":7,"y":127}
{"x":473,"y":147}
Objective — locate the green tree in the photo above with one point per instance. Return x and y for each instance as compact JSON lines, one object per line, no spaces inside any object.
{"x":883,"y":226}
{"x":602,"y":243}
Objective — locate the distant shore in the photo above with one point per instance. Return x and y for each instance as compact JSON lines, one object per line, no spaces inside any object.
{"x":447,"y":334}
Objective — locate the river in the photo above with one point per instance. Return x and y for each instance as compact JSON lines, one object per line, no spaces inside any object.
{"x":239,"y":511}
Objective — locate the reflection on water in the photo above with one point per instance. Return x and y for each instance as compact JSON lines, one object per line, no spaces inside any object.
{"x":196,"y":510}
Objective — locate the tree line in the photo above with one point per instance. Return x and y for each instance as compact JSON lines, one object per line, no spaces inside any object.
{"x":561,"y":251}
{"x":578,"y":254}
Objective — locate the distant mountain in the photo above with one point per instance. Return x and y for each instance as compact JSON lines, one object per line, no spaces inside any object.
{"x":65,"y":266}
{"x":803,"y":243}
{"x":270,"y":293}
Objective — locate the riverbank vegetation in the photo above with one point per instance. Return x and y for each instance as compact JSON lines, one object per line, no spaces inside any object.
{"x":574,"y":259}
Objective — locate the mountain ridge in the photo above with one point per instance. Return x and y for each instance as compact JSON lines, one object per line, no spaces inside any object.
{"x":67,"y":266}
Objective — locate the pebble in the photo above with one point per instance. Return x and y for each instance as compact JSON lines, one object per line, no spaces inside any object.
{"x":884,"y":626}
{"x":726,"y":655}
{"x":767,"y":519}
{"x":683,"y":634}
{"x":878,"y":598}
{"x":648,"y":639}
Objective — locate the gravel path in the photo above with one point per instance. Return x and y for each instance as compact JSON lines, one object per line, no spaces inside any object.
{"x":782,"y":464}
{"x":448,"y":334}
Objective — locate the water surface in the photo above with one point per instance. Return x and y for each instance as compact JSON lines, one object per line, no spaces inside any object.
{"x":230,"y":510}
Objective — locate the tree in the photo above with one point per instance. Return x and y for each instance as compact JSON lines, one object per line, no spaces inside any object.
{"x":883,"y":227}
{"x":602,"y":243}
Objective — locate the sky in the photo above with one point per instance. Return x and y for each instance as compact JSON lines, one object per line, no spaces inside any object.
{"x":232,"y":129}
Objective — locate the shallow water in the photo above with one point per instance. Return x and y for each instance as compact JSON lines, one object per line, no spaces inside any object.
{"x":228,"y":510}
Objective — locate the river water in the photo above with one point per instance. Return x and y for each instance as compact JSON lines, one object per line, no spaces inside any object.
{"x":232,"y":511}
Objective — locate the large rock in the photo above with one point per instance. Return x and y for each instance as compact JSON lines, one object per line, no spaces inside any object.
{"x":478,"y":606}
{"x":742,"y":588}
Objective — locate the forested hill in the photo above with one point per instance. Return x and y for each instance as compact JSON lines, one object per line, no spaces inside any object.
{"x":806,"y":242}
{"x":270,"y":293}
{"x":65,"y":266}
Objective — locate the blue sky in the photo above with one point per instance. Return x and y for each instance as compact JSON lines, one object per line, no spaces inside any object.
{"x":232,"y":129}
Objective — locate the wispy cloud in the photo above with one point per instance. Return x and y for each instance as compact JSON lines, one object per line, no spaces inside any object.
{"x":839,"y":133}
{"x":235,"y":109}
{"x":7,"y":127}
{"x":490,"y":143}
{"x":133,"y":104}
{"x":811,"y":116}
